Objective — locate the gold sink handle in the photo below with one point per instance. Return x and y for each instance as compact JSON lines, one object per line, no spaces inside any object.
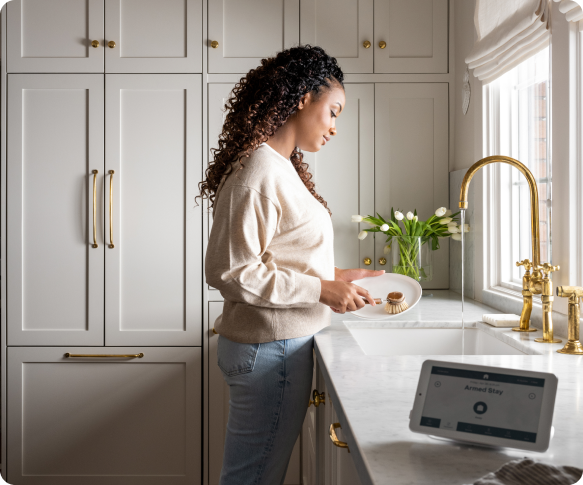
{"x":573,"y":345}
{"x":334,"y":438}
{"x":319,"y":398}
{"x":547,"y":300}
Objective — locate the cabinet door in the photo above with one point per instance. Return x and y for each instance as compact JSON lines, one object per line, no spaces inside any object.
{"x":341,"y":27}
{"x":54,"y":274}
{"x":89,"y":421}
{"x":54,"y":36}
{"x":153,"y":36}
{"x":415,"y":33}
{"x":219,"y":411}
{"x":249,"y":30}
{"x":153,"y":271}
{"x":344,"y":174}
{"x":411,"y":165}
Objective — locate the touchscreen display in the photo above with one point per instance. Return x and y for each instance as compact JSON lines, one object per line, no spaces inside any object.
{"x":499,"y":405}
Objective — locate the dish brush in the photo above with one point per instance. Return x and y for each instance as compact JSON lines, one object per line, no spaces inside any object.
{"x":396,"y":303}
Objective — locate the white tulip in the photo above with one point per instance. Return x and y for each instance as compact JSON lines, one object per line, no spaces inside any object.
{"x":446,"y":220}
{"x":457,"y":237}
{"x":453,"y":229}
{"x":399,"y":216}
{"x":362,"y":235}
{"x":385,"y":227}
{"x":386,"y":249}
{"x":440,"y":212}
{"x":410,"y":216}
{"x":356,"y":218}
{"x":466,"y":228}
{"x":447,"y":213}
{"x":415,"y":218}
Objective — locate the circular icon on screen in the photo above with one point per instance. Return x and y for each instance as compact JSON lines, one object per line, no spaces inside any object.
{"x":532,"y":395}
{"x":480,"y":407}
{"x":437,"y":384}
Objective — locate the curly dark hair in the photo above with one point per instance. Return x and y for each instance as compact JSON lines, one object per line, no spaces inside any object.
{"x":262,"y":101}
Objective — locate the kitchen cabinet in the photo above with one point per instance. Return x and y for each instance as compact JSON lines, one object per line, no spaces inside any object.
{"x":242,"y":32}
{"x":153,"y":278}
{"x":55,"y":141}
{"x":380,"y":36}
{"x":54,"y":36}
{"x":411,"y":159}
{"x":218,"y":410}
{"x":81,"y":420}
{"x":122,"y":36}
{"x":147,"y":233}
{"x":153,"y":36}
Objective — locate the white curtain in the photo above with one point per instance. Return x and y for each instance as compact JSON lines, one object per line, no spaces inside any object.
{"x":573,"y":10}
{"x":508,"y":32}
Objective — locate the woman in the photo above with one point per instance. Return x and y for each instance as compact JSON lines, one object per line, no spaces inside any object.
{"x":270,"y":254}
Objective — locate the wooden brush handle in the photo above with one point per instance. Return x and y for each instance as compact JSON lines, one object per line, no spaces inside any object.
{"x":378,"y":301}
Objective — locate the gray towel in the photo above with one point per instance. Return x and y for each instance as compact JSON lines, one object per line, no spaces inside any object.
{"x":530,"y":472}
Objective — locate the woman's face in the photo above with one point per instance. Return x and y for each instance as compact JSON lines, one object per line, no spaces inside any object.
{"x":316,"y":118}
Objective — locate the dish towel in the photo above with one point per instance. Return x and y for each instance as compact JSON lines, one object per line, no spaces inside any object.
{"x":501,"y":320}
{"x":530,"y":472}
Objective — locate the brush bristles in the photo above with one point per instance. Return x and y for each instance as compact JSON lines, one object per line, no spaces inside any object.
{"x":394,"y":309}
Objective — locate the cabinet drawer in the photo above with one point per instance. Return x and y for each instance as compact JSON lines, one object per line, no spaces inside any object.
{"x":80,"y":420}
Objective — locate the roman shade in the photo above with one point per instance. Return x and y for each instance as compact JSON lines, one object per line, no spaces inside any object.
{"x":573,"y":10}
{"x":508,"y":32}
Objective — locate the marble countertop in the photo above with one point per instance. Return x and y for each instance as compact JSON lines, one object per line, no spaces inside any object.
{"x":374,"y":394}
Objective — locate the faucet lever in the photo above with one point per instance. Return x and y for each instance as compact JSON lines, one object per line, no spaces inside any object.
{"x":526,"y":263}
{"x":548,"y":268}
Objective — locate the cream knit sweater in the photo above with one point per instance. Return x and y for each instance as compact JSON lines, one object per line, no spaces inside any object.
{"x":271,"y":242}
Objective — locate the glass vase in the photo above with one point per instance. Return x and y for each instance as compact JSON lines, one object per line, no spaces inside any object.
{"x":411,"y":257}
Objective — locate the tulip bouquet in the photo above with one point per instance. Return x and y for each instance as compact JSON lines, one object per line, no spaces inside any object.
{"x":413,"y":236}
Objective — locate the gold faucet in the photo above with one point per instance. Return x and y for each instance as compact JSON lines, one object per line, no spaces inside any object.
{"x":539,"y":281}
{"x":573,"y":345}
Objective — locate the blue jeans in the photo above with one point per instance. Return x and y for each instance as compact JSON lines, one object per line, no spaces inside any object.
{"x":270,"y":387}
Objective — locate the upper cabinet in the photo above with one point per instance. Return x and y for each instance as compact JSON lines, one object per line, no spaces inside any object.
{"x":153,"y":36}
{"x":414,"y":36}
{"x":54,"y":36}
{"x":122,"y":36}
{"x":379,"y":36}
{"x":343,"y":28}
{"x":242,"y":32}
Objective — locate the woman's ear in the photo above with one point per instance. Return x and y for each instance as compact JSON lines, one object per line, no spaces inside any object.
{"x":304,"y":100}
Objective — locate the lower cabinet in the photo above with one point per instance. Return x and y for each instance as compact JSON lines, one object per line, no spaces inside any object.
{"x":323,"y":463}
{"x":219,"y":411}
{"x":105,"y":420}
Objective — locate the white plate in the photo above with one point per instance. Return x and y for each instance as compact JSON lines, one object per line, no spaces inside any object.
{"x":380,"y":287}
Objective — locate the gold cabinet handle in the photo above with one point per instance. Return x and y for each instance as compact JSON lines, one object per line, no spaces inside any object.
{"x":111,"y":245}
{"x":215,"y":332}
{"x":367,"y":261}
{"x":95,"y":172}
{"x":382,"y":261}
{"x":107,"y":356}
{"x":95,"y":43}
{"x":319,"y":398}
{"x":382,"y":44}
{"x":214,"y":44}
{"x":334,"y":438}
{"x":111,"y":44}
{"x":366,"y":44}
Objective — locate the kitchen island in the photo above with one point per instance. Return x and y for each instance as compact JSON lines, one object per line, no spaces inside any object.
{"x":373,"y":395}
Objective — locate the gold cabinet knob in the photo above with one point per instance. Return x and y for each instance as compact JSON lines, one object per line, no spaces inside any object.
{"x":214,"y":44}
{"x":111,"y":44}
{"x":95,"y":43}
{"x":367,"y":261}
{"x":366,"y":44}
{"x":382,"y":261}
{"x":382,"y":44}
{"x":319,"y":398}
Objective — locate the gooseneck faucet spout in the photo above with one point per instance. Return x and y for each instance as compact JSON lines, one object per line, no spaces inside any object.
{"x":539,"y":282}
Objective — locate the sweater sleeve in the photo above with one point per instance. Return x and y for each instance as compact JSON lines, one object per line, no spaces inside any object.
{"x":239,"y":262}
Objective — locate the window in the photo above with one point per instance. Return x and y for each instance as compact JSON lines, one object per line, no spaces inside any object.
{"x":518,"y":126}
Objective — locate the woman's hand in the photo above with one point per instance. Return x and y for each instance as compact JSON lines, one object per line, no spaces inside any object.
{"x":342,"y":296}
{"x":355,"y":274}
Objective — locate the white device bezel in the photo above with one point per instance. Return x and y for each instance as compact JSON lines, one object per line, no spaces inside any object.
{"x":546,"y":414}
